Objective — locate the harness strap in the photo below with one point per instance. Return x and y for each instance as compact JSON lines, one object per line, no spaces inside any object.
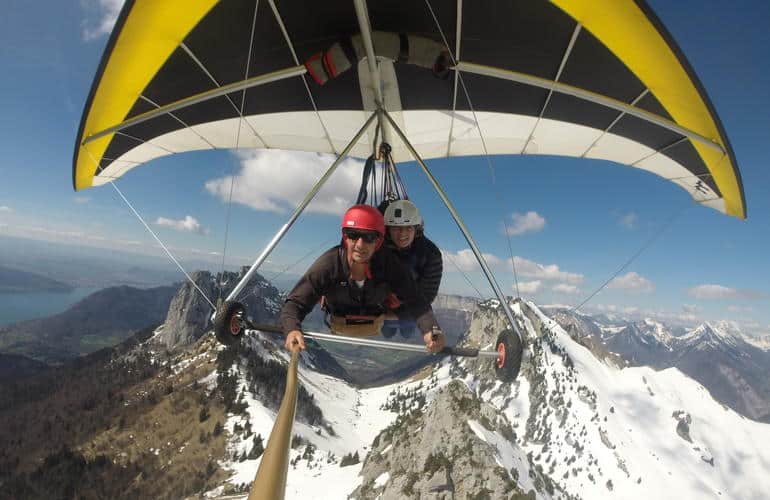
{"x":363,"y":193}
{"x":403,"y":49}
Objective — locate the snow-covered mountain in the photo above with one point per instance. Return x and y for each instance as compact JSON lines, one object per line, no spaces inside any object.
{"x":571,"y":426}
{"x":733,"y":366}
{"x":721,"y":336}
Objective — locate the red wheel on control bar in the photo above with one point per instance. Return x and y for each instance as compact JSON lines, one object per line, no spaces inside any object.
{"x":228,"y":324}
{"x":509,"y":353}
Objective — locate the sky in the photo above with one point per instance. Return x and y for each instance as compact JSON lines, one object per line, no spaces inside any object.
{"x":572,"y":223}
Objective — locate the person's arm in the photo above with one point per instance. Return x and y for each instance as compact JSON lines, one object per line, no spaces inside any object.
{"x":430,"y":275}
{"x":301,"y":300}
{"x":403,"y":286}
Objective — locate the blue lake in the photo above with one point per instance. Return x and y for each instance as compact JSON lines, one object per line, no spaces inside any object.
{"x":22,"y":306}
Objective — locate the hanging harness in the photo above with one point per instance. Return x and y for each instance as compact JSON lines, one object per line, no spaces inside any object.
{"x":389,"y":188}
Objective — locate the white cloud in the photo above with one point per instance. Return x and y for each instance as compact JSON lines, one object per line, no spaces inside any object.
{"x":711,"y":291}
{"x":100,"y":17}
{"x":5,"y":208}
{"x":277,"y":181}
{"x":525,"y":223}
{"x":632,"y":281}
{"x":81,"y":200}
{"x":188,"y":224}
{"x":690,"y":308}
{"x":54,"y":232}
{"x":565,"y":288}
{"x":628,"y":220}
{"x":612,"y":308}
{"x":466,"y":261}
{"x":531,"y":269}
{"x":740,"y":309}
{"x":529,"y":287}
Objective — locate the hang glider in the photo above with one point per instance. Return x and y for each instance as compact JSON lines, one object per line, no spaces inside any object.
{"x":591,"y":79}
{"x":595,"y":79}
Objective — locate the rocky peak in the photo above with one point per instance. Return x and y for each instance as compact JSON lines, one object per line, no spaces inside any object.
{"x":708,"y":336}
{"x":455,"y":302}
{"x":189,"y":315}
{"x":653,"y":331}
{"x":442,"y":450}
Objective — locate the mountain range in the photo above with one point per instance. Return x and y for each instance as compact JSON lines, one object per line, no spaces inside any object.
{"x":103,"y":319}
{"x":170,"y":413}
{"x":18,"y":281}
{"x":733,"y":366}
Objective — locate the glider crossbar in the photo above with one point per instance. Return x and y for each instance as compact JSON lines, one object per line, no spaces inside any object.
{"x":297,"y":211}
{"x":563,"y":88}
{"x":255,"y":81}
{"x":460,"y":224}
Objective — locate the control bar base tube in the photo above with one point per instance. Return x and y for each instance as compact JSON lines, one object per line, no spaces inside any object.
{"x":383,"y":344}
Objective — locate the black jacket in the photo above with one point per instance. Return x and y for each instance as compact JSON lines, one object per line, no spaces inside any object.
{"x":329,"y":277}
{"x":423,"y":259}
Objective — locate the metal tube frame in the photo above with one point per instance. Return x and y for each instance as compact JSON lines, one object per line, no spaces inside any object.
{"x":202,"y":97}
{"x":362,"y":13}
{"x":460,"y":225}
{"x":396,"y":346}
{"x":297,"y":211}
{"x":586,"y":95}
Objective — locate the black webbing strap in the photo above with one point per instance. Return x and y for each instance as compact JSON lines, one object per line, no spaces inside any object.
{"x":363,"y":193}
{"x":347,"y":47}
{"x":403,"y":51}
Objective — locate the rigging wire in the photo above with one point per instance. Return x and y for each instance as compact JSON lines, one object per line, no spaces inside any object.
{"x":308,"y":254}
{"x":467,"y":279}
{"x":483,"y":144}
{"x":237,"y":143}
{"x":628,"y":262}
{"x":168,"y":252}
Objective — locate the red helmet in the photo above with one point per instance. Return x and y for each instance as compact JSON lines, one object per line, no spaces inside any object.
{"x":364,"y":217}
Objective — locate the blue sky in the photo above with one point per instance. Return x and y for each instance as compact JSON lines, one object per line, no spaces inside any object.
{"x":577,"y":221}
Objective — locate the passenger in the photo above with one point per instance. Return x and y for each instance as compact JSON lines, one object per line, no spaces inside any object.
{"x":405,"y":236}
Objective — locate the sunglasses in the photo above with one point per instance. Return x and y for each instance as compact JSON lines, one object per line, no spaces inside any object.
{"x":367,"y":236}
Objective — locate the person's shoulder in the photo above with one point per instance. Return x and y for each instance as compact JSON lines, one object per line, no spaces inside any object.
{"x":428,"y":245}
{"x":385,"y":253}
{"x":327,"y":259}
{"x":333,"y":252}
{"x":385,"y":258}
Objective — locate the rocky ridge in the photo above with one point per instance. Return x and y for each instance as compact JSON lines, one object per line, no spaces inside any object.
{"x":189,"y":314}
{"x":733,"y":368}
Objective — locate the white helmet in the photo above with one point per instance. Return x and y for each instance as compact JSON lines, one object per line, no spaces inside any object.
{"x":402,"y":213}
